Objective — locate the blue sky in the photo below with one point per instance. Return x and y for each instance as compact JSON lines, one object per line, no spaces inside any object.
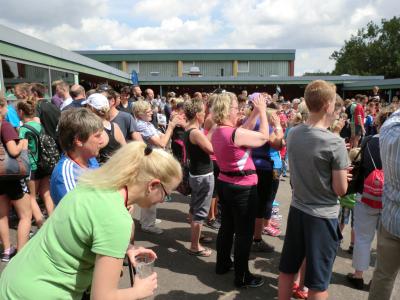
{"x":313,"y":27}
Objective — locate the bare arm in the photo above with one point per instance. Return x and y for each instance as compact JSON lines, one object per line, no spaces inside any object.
{"x":276,"y":138}
{"x":15,"y":149}
{"x":106,"y":277}
{"x":253,"y":139}
{"x":198,"y":138}
{"x":136,"y":136}
{"x":339,"y":181}
{"x":162,"y":139}
{"x":119,"y":136}
{"x":250,"y":123}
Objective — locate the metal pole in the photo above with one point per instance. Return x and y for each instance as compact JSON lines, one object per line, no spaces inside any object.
{"x":50,"y":86}
{"x":1,"y":76}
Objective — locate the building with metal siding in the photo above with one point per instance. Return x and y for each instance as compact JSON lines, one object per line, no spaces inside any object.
{"x":27,"y":59}
{"x":218,"y":63}
{"x":205,"y":70}
{"x":162,"y":69}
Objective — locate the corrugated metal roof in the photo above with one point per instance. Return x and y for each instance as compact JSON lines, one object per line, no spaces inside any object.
{"x":16,"y":38}
{"x":156,"y":80}
{"x":187,"y":55}
{"x":369,"y":84}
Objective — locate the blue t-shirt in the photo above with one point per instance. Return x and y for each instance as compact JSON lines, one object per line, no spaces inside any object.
{"x":12,"y":116}
{"x":65,"y":176}
{"x":276,"y":158}
{"x":261,"y":155}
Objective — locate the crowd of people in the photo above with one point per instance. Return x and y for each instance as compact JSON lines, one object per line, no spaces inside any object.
{"x":229,"y":152}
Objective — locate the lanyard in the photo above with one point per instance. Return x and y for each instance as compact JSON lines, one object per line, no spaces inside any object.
{"x":126,"y":196}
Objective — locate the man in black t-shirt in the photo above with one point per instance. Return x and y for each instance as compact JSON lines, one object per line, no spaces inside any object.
{"x":46,"y":111}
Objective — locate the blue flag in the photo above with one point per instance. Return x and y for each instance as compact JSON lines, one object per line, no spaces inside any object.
{"x":134,"y":78}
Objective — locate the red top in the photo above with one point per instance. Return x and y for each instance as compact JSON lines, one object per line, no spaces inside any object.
{"x":8,"y":133}
{"x":359,"y":111}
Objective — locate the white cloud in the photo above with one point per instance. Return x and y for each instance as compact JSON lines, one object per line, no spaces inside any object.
{"x":49,"y":13}
{"x":99,"y":33}
{"x":165,"y":9}
{"x":312,"y":27}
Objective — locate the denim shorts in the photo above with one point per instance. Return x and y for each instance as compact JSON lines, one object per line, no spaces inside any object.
{"x":315,"y":239}
{"x":345,"y":215}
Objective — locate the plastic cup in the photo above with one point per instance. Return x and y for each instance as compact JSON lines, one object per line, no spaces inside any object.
{"x":144,"y":265}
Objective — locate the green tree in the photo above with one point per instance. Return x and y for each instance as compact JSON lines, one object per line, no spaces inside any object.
{"x":375,"y":50}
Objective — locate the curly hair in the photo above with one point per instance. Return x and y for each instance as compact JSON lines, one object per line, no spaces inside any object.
{"x":192,"y":107}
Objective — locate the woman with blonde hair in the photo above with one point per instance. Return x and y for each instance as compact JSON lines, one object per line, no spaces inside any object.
{"x":237,"y":183}
{"x":96,"y":230}
{"x":151,"y":136}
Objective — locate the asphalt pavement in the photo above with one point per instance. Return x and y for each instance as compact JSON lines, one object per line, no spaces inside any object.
{"x":183,"y":276}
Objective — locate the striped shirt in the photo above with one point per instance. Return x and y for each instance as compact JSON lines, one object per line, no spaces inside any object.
{"x":65,"y":176}
{"x":390,"y":155}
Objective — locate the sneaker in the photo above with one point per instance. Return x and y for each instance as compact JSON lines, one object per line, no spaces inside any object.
{"x":152,"y":230}
{"x":157,"y":221}
{"x":300,"y":294}
{"x":358,"y":283}
{"x":275,"y":224}
{"x":276,"y":217}
{"x":8,"y":254}
{"x":275,"y":203}
{"x":272,"y":231}
{"x":250,"y":281}
{"x":262,"y":246}
{"x":275,"y":210}
{"x":213,"y":224}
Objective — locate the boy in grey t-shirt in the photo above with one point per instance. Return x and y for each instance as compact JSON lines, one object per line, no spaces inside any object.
{"x":318,"y":163}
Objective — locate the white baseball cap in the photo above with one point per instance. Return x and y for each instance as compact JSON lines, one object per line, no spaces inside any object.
{"x":97,"y":101}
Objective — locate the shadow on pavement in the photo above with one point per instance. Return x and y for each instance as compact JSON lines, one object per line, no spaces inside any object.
{"x":171,"y":249}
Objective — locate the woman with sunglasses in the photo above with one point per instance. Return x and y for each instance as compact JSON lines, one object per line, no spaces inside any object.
{"x":85,"y":240}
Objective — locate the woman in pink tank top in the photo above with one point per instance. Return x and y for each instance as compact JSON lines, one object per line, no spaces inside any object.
{"x":237,"y":183}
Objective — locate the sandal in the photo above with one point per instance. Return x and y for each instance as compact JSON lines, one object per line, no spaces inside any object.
{"x":206,"y":252}
{"x":269,"y":230}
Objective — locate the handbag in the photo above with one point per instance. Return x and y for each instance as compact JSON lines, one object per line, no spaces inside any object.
{"x":13,"y":168}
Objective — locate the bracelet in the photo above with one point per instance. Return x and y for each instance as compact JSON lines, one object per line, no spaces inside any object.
{"x":278,"y":128}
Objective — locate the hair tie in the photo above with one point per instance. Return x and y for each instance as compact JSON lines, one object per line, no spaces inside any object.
{"x":148,"y":150}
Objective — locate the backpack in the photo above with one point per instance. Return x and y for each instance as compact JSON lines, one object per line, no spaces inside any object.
{"x":356,"y":183}
{"x":373,"y":187}
{"x":47,"y":150}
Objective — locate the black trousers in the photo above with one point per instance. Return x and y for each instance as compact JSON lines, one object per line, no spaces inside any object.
{"x":238,"y":213}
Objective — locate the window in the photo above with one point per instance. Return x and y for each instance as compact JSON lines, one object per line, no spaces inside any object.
{"x":187,"y":65}
{"x":243,"y":67}
{"x":61,"y":75}
{"x":114,"y":64}
{"x":15,"y":72}
{"x":132,"y":65}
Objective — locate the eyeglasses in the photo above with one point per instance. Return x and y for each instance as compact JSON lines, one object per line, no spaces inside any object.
{"x":167,"y":197}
